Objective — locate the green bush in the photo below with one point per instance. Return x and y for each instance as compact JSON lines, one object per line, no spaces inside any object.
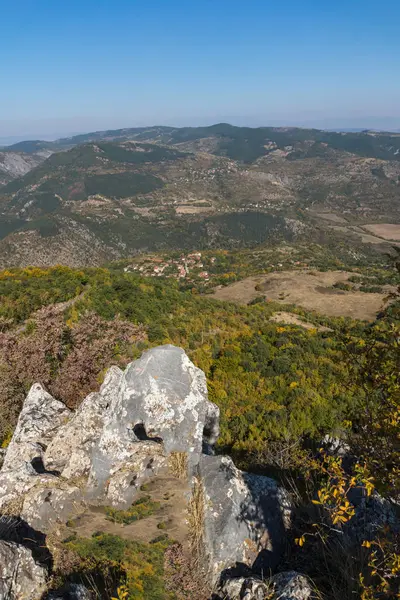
{"x":130,"y":563}
{"x":140,"y":509}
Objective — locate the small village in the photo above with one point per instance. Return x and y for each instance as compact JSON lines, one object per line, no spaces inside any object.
{"x":186,"y":266}
{"x":208,"y":270}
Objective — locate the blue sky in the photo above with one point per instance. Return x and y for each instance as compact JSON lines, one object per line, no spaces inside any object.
{"x":77,"y":65}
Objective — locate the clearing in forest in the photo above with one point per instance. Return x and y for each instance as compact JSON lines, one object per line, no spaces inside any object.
{"x":389,"y":231}
{"x":311,"y":290}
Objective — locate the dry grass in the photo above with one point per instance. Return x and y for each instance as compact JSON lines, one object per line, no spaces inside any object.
{"x":13,"y":507}
{"x":178,"y":465}
{"x":196,"y":519}
{"x":182,"y":578}
{"x":311,"y":290}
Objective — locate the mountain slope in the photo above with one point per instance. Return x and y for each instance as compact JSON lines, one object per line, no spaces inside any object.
{"x":15,"y":164}
{"x":245,"y":144}
{"x":109,"y":199}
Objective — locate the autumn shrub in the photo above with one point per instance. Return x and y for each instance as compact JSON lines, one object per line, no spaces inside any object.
{"x":344,"y":557}
{"x":66,"y":359}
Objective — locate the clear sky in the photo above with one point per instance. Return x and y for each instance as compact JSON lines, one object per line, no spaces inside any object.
{"x":78,"y":65}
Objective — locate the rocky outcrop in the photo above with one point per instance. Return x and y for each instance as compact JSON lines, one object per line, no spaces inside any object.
{"x":125,"y":434}
{"x":245,"y":516}
{"x":159,"y":407}
{"x":117,"y":439}
{"x":38,"y":422}
{"x":21,"y":577}
{"x":72,"y":591}
{"x":71,"y":448}
{"x":290,"y":585}
{"x":242,"y":588}
{"x":23,"y":467}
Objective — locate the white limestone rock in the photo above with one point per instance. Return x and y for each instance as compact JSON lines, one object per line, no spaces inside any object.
{"x":71,"y":448}
{"x":290,"y":585}
{"x":45,"y":507}
{"x":21,"y":577}
{"x":161,"y":400}
{"x":39,"y":420}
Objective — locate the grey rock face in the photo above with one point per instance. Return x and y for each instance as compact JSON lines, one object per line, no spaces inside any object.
{"x":283,"y":586}
{"x":21,"y":578}
{"x":371,"y":516}
{"x":242,"y":588}
{"x":44,"y":507}
{"x":160,"y":407}
{"x":70,"y":450}
{"x":38,"y":422}
{"x":15,"y":483}
{"x":163,"y":395}
{"x":290,"y":586}
{"x":245,"y":516}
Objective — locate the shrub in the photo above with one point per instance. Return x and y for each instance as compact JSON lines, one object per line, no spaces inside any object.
{"x":140,"y":509}
{"x":119,"y":562}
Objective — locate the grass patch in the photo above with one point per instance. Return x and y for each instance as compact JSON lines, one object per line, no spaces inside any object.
{"x":136,"y":566}
{"x":140,"y":509}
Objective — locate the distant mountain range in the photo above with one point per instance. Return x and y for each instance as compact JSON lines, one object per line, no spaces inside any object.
{"x":108,"y":194}
{"x":239,"y":143}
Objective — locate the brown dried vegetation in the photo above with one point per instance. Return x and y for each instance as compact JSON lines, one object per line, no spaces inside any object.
{"x":66,"y":358}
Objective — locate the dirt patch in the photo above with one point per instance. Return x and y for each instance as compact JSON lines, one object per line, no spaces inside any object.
{"x":385,"y":230}
{"x":331,"y":217}
{"x":169,"y":518}
{"x":193,"y":210}
{"x":366,"y":238}
{"x":309,"y":289}
{"x":290,"y":319}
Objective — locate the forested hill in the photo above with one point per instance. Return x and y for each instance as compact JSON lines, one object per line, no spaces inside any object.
{"x":242,"y":143}
{"x":112,"y":194}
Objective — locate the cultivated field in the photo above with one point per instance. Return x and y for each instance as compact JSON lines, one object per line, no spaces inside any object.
{"x":311,"y":290}
{"x":385,"y":230}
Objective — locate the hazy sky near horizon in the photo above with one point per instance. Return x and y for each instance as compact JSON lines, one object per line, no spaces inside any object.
{"x":94,"y":64}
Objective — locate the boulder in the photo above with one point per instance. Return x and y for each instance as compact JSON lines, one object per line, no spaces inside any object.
{"x":161,"y":401}
{"x":70,"y":449}
{"x":283,"y":586}
{"x":290,"y":585}
{"x":245,"y":517}
{"x":242,"y":588}
{"x":39,"y":420}
{"x":23,"y":467}
{"x":21,"y":577}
